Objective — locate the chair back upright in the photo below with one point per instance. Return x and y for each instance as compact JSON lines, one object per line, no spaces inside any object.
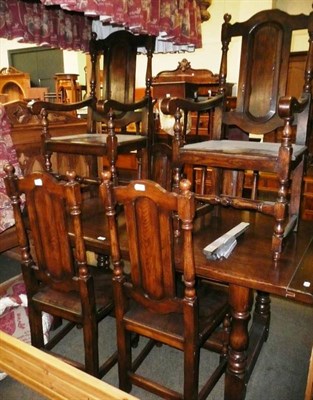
{"x":115,"y":78}
{"x":47,"y":203}
{"x":149,"y":210}
{"x":57,"y":278}
{"x":266,"y":44}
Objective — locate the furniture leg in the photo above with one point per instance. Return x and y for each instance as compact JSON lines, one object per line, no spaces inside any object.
{"x":240,"y":299}
{"x":262,"y":311}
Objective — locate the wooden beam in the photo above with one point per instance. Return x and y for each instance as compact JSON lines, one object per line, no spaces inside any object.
{"x":309,"y":386}
{"x":50,"y":376}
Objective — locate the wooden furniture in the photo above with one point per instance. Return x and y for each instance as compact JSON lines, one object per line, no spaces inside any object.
{"x":14,"y":84}
{"x":26,"y":133}
{"x":107,"y":145}
{"x":50,"y":377}
{"x":118,"y":70}
{"x":246,"y":271}
{"x":250,"y":267}
{"x":151,"y":303}
{"x":59,"y":282}
{"x":261,"y":108}
{"x":309,"y":386}
{"x":67,"y":88}
{"x":307,"y":198}
{"x":191,"y":83}
{"x":185,"y":81}
{"x":119,"y":51}
{"x":267,"y":182}
{"x":26,"y":130}
{"x":161,"y":165}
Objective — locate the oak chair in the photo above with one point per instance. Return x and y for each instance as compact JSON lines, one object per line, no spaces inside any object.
{"x":57,"y":278}
{"x":118,"y":82}
{"x":112,"y":88}
{"x":263,"y":106}
{"x":153,"y":302}
{"x":161,"y":165}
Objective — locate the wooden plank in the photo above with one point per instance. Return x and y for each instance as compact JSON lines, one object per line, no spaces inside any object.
{"x":50,"y":376}
{"x":309,"y":386}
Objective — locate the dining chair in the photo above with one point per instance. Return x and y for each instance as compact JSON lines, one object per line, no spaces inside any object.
{"x":118,"y":65}
{"x":152,"y":302}
{"x":264,"y":105}
{"x":113,"y":73}
{"x":57,"y":278}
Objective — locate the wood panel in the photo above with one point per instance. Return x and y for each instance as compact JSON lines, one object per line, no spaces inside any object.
{"x":51,"y":377}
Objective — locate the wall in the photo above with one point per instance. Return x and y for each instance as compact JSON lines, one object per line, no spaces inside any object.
{"x":206,"y":57}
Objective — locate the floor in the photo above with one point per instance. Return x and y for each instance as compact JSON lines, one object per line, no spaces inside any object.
{"x":280,"y":372}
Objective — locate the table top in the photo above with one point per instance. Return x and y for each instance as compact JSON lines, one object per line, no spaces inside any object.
{"x":93,"y":143}
{"x":250,"y":264}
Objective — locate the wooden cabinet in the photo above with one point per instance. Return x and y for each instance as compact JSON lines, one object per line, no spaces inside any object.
{"x":14,"y":84}
{"x":188,"y":82}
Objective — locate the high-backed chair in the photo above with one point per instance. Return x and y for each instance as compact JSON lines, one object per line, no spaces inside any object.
{"x":119,"y":54}
{"x":263,"y":106}
{"x":152,"y":302}
{"x":57,"y":278}
{"x":112,"y":87}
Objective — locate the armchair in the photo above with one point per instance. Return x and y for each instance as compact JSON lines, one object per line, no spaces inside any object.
{"x":263,"y":105}
{"x":119,"y":52}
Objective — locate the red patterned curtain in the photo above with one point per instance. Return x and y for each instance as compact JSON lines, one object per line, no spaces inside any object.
{"x":67,"y":23}
{"x":32,"y":22}
{"x":178,"y":21}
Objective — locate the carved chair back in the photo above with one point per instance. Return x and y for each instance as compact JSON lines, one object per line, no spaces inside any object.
{"x":57,"y":278}
{"x":266,"y":44}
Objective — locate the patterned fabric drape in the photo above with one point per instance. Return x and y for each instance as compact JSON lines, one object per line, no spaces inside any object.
{"x":66,"y":24}
{"x":7,"y":155}
{"x":32,"y":22}
{"x":178,"y":21}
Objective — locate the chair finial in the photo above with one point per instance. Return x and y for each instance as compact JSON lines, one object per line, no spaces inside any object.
{"x":9,"y":169}
{"x":71,"y":175}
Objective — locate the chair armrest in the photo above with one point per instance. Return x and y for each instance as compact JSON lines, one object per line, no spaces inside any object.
{"x":170,"y":105}
{"x":288,"y":105}
{"x":290,"y":108}
{"x":37,"y":106}
{"x":104,"y":106}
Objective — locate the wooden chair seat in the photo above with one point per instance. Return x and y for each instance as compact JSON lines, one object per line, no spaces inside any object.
{"x":61,"y":304}
{"x":170,"y":328}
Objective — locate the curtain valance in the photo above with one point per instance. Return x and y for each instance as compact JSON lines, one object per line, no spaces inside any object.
{"x":32,"y":22}
{"x":67,"y":23}
{"x":178,"y":21}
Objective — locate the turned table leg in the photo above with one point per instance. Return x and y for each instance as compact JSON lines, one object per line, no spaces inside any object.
{"x":240,"y":299}
{"x":262,"y":311}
